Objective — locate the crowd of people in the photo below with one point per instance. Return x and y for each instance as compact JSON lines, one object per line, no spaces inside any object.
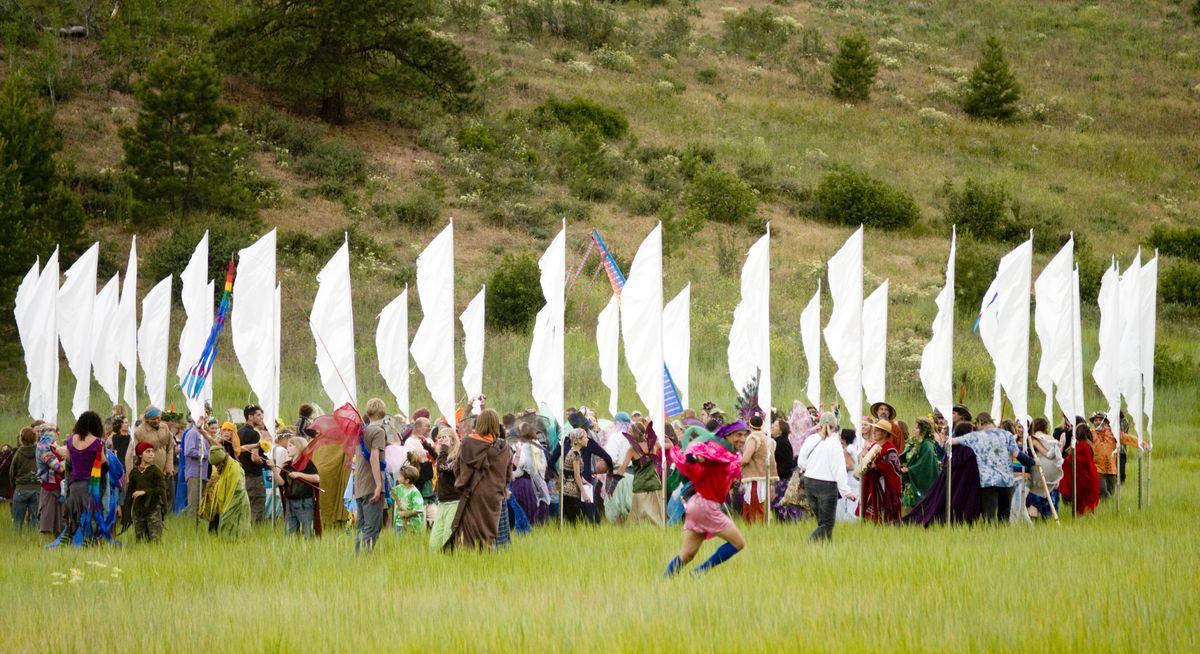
{"x":476,"y":484}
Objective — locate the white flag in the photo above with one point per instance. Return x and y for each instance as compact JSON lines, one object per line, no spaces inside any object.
{"x":1148,"y":311}
{"x":332,"y":326}
{"x":1131,"y":327}
{"x":1054,"y":322}
{"x":937,"y":359}
{"x":104,"y":355}
{"x":843,"y":333}
{"x":38,"y":319}
{"x":810,"y":337}
{"x":874,"y":347}
{"x":749,"y":350}
{"x":546,"y":350}
{"x":126,"y":331}
{"x":21,"y":312}
{"x":677,"y":341}
{"x":641,"y":324}
{"x":472,"y":320}
{"x":1004,"y":327}
{"x":433,"y":346}
{"x":152,"y":337}
{"x":253,"y":321}
{"x":608,"y":333}
{"x":1107,"y":371}
{"x":78,"y":296}
{"x":197,"y":299}
{"x":391,"y":344}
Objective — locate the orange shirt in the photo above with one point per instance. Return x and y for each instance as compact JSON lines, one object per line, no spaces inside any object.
{"x":1105,"y":445}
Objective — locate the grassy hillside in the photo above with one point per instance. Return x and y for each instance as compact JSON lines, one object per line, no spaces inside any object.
{"x":1107,"y":147}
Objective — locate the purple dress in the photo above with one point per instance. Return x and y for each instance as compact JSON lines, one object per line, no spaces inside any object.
{"x":964,"y":493}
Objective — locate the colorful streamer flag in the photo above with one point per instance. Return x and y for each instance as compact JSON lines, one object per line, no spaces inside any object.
{"x":197,"y":377}
{"x":673,"y":406}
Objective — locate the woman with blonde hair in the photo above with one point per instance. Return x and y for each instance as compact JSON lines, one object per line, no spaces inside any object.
{"x":644,"y":455}
{"x":448,"y":447}
{"x":573,"y":486}
{"x":481,"y":474}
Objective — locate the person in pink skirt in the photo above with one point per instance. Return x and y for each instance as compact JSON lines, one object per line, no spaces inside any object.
{"x":711,"y":464}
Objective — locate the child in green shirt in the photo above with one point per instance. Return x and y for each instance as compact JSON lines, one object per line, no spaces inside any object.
{"x":410,"y":506}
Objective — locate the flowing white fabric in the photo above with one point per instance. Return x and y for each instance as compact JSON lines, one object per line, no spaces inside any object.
{"x":78,"y":294}
{"x":472,"y":320}
{"x":152,"y":336}
{"x":433,"y":346}
{"x":39,"y":319}
{"x":608,"y":333}
{"x":1004,"y":327}
{"x":105,"y":366}
{"x":196,"y":296}
{"x":546,"y":350}
{"x":1148,"y":311}
{"x":810,"y":338}
{"x":677,"y":341}
{"x":332,"y":326}
{"x":391,"y":344}
{"x":1054,"y":322}
{"x":253,"y":320}
{"x":1131,"y":327}
{"x":937,"y":359}
{"x":23,"y":311}
{"x":1107,"y":371}
{"x":874,"y":347}
{"x":843,"y":334}
{"x":749,"y":350}
{"x":641,"y":324}
{"x":125,"y":334}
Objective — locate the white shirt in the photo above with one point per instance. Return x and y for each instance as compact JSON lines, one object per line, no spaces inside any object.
{"x":825,"y":462}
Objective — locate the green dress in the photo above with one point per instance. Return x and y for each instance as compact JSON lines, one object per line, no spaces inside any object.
{"x":921,"y":459}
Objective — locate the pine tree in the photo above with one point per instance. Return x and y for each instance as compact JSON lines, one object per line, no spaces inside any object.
{"x":992,"y":91}
{"x":37,"y":210}
{"x":327,"y":53}
{"x":853,"y":69}
{"x":178,"y":156}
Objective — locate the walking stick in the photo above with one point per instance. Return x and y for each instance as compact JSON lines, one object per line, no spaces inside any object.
{"x":949,"y":467}
{"x":1041,"y":473}
{"x":1139,"y":479}
{"x":1117,"y":468}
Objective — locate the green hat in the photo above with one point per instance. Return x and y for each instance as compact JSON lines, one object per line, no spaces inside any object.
{"x":216,"y":454}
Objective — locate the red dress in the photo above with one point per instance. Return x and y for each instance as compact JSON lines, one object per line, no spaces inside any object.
{"x":882,"y":487}
{"x":1089,"y":479}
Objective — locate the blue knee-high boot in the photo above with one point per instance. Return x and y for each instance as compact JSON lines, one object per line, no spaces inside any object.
{"x":673,"y":567}
{"x":723,"y":554}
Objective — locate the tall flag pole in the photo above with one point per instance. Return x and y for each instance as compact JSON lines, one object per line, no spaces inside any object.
{"x":198,"y":375}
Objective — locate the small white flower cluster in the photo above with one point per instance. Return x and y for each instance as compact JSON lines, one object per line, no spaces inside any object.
{"x":889,"y":62}
{"x":613,"y":59}
{"x":932,"y":117}
{"x":579,"y":67}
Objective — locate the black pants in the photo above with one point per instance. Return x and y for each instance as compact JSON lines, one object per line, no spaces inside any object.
{"x":822,"y":497}
{"x":995,"y":503}
{"x":573,"y":509}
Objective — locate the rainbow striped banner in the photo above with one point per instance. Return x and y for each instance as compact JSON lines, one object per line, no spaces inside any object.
{"x":673,"y":406}
{"x":193,"y":384}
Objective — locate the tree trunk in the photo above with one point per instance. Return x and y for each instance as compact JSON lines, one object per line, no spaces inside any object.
{"x":333,"y":109}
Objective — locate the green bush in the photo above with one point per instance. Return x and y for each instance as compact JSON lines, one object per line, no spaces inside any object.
{"x":171,"y":255}
{"x":673,"y":36}
{"x":477,"y":137}
{"x":720,"y":195}
{"x":707,"y":75}
{"x":579,"y":115}
{"x":419,"y":210}
{"x":514,"y":293}
{"x":852,"y":197}
{"x":980,"y":210}
{"x":588,"y":22}
{"x":617,"y":60}
{"x":992,"y":92}
{"x":106,"y":195}
{"x":973,"y":274}
{"x":298,"y":136}
{"x":756,"y":32}
{"x":1183,"y":242}
{"x":305,"y":249}
{"x":1179,"y":284}
{"x":335,"y":160}
{"x":517,"y":216}
{"x":853,"y":69}
{"x":678,"y":228}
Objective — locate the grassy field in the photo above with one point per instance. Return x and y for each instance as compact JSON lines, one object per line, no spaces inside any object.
{"x":1106,"y":583}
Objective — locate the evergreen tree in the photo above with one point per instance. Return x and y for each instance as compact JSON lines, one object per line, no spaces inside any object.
{"x":514,"y":294}
{"x":325,"y":52}
{"x":178,"y":156}
{"x":36,"y":209}
{"x":853,"y":69}
{"x":992,"y":91}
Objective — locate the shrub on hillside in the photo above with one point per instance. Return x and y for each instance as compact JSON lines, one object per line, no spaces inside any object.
{"x":1180,"y":284}
{"x":673,"y":36}
{"x":588,"y":22}
{"x":974,"y":270}
{"x":992,"y":91}
{"x":298,"y":136}
{"x":979,"y":210}
{"x":853,"y":69}
{"x":421,"y":209}
{"x":514,"y":293}
{"x":720,"y":195}
{"x":678,"y":228}
{"x":1183,"y":242}
{"x":852,"y":197}
{"x":171,"y":255}
{"x":756,"y":32}
{"x":580,"y":114}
